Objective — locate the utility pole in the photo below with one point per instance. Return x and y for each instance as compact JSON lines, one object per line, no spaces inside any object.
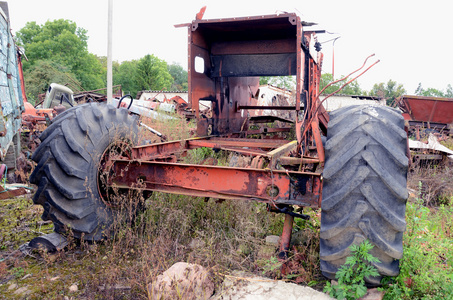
{"x":109,"y":52}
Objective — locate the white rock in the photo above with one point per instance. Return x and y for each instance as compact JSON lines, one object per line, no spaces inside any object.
{"x":182,"y":281}
{"x":24,"y":291}
{"x":73,"y":288}
{"x":197,"y":244}
{"x":260,"y":288}
{"x":26,"y":276}
{"x":272,"y":240}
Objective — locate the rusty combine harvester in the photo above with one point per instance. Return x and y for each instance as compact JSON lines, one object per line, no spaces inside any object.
{"x":357,"y":176}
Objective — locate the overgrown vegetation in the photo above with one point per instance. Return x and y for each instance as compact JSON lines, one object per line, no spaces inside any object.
{"x":351,"y":276}
{"x":427,"y":264}
{"x":222,"y":236}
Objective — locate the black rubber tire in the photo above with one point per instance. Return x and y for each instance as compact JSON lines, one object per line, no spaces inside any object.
{"x":68,"y":161}
{"x":364,"y":187}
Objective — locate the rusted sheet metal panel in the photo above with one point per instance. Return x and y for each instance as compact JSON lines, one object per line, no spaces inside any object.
{"x":286,"y":187}
{"x":428,"y":109}
{"x":232,"y":91}
{"x":201,"y":87}
{"x":254,"y":47}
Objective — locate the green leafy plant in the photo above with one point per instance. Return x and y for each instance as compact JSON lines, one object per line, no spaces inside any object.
{"x":18,"y":272}
{"x":271,"y":265}
{"x":351,"y":276}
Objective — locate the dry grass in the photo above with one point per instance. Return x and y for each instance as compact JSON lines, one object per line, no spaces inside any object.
{"x":435,"y":183}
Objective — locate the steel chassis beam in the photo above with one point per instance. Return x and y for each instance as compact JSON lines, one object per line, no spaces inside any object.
{"x":150,"y":170}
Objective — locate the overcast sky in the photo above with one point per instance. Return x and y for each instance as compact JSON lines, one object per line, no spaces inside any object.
{"x":410,"y":38}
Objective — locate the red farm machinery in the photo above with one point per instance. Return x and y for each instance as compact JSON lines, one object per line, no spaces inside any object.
{"x":353,"y":166}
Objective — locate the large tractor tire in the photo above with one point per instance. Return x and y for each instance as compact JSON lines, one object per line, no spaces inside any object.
{"x":364,"y":188}
{"x":69,"y":168}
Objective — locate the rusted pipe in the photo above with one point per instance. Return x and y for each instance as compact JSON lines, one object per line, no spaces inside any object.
{"x":286,"y":236}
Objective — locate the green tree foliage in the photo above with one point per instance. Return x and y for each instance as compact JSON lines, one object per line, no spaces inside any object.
{"x":449,"y":92}
{"x":147,"y":73}
{"x":284,"y":82}
{"x":152,"y":74}
{"x":388,"y":91}
{"x":179,"y":76}
{"x":431,"y":92}
{"x":44,"y":72}
{"x":351,"y":89}
{"x":125,"y":75}
{"x":61,"y":42}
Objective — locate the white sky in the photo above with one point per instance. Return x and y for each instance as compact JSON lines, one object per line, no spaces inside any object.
{"x":411,"y":38}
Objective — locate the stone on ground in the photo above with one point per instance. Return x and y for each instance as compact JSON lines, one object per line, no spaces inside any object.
{"x":182,"y":281}
{"x":242,"y":286}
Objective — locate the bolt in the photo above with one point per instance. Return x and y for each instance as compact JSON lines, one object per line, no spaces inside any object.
{"x":272,"y":191}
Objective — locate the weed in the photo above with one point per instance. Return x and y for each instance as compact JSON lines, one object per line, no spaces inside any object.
{"x":351,"y":276}
{"x":18,"y":272}
{"x":427,"y":265}
{"x":272,"y":265}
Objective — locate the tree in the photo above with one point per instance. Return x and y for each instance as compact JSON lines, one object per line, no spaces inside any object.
{"x":125,"y":75}
{"x":284,"y":82}
{"x":152,"y":74}
{"x":62,"y":42}
{"x":351,"y":89}
{"x":44,"y":72}
{"x":179,"y":76}
{"x":431,"y":92}
{"x":449,"y":93}
{"x":389,"y":91}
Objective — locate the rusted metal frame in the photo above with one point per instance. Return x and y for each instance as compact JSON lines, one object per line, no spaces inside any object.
{"x":428,"y":157}
{"x":258,"y":107}
{"x":295,"y":161}
{"x":163,"y":150}
{"x":285,"y":239}
{"x":11,"y":193}
{"x":320,"y":113}
{"x":249,"y":152}
{"x":300,"y":78}
{"x":267,"y":130}
{"x":201,"y":86}
{"x":251,"y":143}
{"x":275,"y":154}
{"x":254,"y":47}
{"x":290,"y":16}
{"x":300,"y":62}
{"x":269,"y":186}
{"x":306,"y":135}
{"x":213,"y":145}
{"x":317,"y":137}
{"x":159,"y":150}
